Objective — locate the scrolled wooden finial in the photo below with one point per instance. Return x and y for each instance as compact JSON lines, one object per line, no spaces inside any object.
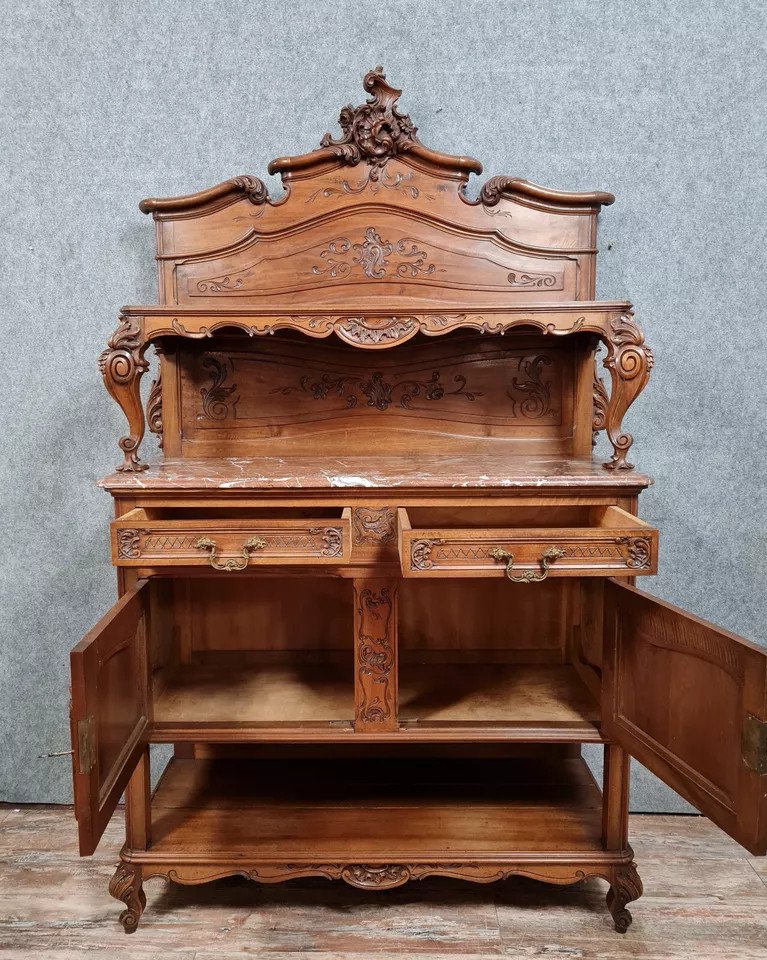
{"x":375,"y":131}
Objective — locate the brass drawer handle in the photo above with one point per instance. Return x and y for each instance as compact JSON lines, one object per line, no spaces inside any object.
{"x":529,"y":576}
{"x":234,"y":563}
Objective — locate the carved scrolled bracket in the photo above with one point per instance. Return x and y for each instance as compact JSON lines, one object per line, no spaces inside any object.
{"x":629,"y":361}
{"x":126,"y":885}
{"x":122,"y":365}
{"x":375,"y":131}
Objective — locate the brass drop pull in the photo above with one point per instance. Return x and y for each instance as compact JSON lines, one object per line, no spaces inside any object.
{"x":529,"y":576}
{"x":233,"y":563}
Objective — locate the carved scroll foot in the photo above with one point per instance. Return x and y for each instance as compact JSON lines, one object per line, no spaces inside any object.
{"x":122,"y":365}
{"x":629,"y":362}
{"x":625,"y":887}
{"x":126,"y":885}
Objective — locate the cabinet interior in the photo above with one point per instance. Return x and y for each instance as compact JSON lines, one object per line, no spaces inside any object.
{"x":265,"y":650}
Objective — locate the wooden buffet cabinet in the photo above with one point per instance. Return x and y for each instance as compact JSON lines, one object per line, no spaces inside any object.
{"x":378,"y":593}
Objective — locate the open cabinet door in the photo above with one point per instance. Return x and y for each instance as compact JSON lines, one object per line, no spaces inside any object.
{"x":108,"y":713}
{"x":689,"y":701}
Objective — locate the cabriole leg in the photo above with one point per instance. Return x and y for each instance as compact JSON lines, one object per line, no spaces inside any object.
{"x":625,"y":887}
{"x":126,"y":885}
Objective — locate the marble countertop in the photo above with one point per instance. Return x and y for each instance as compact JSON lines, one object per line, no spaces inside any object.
{"x":375,"y":473}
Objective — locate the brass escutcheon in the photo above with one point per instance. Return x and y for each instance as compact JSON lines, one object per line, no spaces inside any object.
{"x":233,"y":563}
{"x":529,"y":576}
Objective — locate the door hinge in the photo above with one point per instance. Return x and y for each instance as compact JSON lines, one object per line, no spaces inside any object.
{"x":754,"y":744}
{"x":86,"y":748}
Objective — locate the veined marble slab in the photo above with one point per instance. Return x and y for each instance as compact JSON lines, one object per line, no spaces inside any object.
{"x":378,"y":473}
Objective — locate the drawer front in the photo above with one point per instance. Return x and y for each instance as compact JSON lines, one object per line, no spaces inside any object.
{"x":528,"y":555}
{"x":230,"y":545}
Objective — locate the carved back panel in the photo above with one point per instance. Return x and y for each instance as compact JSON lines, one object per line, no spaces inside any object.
{"x":289,"y":395}
{"x":376,"y":219}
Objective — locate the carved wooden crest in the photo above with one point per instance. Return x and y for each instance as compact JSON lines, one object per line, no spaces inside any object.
{"x":375,"y":131}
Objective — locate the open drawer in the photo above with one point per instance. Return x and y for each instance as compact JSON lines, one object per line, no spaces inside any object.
{"x":231,"y":539}
{"x":525,"y":544}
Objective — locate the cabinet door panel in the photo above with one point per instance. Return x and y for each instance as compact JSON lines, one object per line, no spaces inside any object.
{"x":688,"y":700}
{"x":108,"y":713}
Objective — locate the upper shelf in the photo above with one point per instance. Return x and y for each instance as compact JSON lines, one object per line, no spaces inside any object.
{"x":376,"y":213}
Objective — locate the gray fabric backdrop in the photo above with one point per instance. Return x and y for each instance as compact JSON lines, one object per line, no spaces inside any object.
{"x":106,"y":103}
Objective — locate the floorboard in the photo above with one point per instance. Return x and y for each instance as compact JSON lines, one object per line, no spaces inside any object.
{"x":705,"y":899}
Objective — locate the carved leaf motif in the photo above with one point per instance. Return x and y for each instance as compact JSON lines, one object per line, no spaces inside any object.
{"x":528,"y":280}
{"x":217,"y":400}
{"x":154,"y":408}
{"x":332,"y":542}
{"x":420,"y":554}
{"x":129,"y":543}
{"x":537,"y":402}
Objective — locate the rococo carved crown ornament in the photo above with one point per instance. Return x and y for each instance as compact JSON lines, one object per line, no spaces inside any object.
{"x":376,"y":131}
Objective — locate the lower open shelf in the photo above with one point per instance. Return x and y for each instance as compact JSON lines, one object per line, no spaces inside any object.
{"x":373,"y":811}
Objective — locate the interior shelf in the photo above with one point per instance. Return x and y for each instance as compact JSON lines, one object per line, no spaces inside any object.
{"x":537,"y":695}
{"x":253,"y":690}
{"x":375,"y":810}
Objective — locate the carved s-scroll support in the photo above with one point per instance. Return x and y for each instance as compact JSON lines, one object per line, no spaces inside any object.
{"x":122,"y":365}
{"x":629,"y":361}
{"x":126,"y":885}
{"x":375,"y":655}
{"x":625,"y":886}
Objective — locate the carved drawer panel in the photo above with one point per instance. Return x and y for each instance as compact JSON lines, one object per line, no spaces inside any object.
{"x":230,"y":540}
{"x":525,"y":544}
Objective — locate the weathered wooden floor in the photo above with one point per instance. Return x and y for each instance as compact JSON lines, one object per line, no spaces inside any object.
{"x":704,"y":898}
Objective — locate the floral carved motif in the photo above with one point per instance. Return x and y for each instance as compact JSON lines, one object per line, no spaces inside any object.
{"x":122,"y":365}
{"x":375,"y":131}
{"x":371,"y":255}
{"x":537,"y":402}
{"x":218,"y":401}
{"x":373,"y":526}
{"x":378,"y":390}
{"x":374,"y":657}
